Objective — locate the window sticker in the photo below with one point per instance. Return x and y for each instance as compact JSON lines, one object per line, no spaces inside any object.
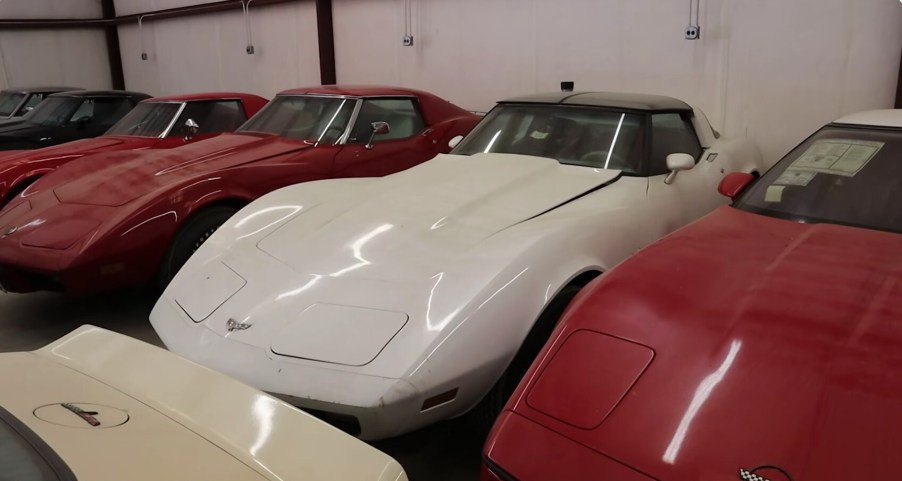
{"x":837,"y":156}
{"x":774,"y":193}
{"x":799,"y":178}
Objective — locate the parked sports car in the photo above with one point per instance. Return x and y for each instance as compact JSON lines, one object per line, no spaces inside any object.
{"x":67,"y":116}
{"x":16,"y":102}
{"x":427,"y":290}
{"x":120,"y":219}
{"x":102,"y":406}
{"x":156,"y":123}
{"x":760,"y":343}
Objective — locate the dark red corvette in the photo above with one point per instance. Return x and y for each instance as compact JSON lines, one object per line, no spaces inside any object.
{"x":763,"y":340}
{"x":156,"y":123}
{"x":126,"y":218}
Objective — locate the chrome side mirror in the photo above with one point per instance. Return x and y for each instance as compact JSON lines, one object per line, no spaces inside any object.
{"x":677,"y":163}
{"x":456,"y":140}
{"x":379,"y":128}
{"x":191,"y":129}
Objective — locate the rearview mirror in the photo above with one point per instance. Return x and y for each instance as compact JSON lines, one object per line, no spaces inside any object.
{"x":677,"y":163}
{"x":379,"y":128}
{"x":191,"y":129}
{"x":456,"y":140}
{"x":734,"y":184}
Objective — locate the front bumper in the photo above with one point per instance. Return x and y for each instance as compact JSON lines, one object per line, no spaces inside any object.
{"x":382,"y":407}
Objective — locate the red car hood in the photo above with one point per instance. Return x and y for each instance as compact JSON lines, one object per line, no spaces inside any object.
{"x":739,"y":341}
{"x":116,"y":178}
{"x":70,"y":150}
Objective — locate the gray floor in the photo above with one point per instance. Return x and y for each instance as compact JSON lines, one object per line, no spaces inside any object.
{"x":441,"y":453}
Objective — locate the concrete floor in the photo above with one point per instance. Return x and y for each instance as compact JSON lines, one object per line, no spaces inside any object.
{"x":441,"y":453}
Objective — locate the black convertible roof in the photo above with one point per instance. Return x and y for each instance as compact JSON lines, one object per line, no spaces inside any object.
{"x":101,"y":93}
{"x":618,"y":100}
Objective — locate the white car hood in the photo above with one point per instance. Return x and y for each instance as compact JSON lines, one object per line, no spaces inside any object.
{"x":406,"y":227}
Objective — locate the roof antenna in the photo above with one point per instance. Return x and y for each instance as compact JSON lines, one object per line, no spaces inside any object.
{"x":567,"y":86}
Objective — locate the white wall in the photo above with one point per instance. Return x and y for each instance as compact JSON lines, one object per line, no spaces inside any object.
{"x":770,"y":69}
{"x":207,"y":52}
{"x":50,"y":9}
{"x":76,"y":58}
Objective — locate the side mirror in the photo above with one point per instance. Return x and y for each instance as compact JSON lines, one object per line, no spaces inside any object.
{"x":734,"y":184}
{"x":677,"y":163}
{"x":191,"y":128}
{"x":379,"y":128}
{"x":456,"y":140}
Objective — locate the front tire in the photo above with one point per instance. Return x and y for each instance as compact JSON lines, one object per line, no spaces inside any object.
{"x":483,"y":416}
{"x":188,"y":240}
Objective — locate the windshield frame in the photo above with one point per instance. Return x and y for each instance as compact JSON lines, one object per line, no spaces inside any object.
{"x":169,"y":126}
{"x":340,"y":140}
{"x":741,"y":202}
{"x":644,"y":117}
{"x":40,"y":447}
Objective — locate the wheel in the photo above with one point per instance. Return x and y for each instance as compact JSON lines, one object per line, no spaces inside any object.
{"x":189,"y":238}
{"x":482,"y":417}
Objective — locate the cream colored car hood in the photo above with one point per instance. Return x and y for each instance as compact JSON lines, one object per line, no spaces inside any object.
{"x":183,"y":421}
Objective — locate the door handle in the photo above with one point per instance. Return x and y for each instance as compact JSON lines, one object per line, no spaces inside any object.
{"x":427,"y":132}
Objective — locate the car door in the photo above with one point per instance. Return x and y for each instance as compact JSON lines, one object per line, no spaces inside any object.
{"x":212,"y":117}
{"x":691,"y":193}
{"x":407,"y":143}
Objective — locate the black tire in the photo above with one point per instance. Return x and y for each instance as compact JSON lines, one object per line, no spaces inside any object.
{"x":189,"y":238}
{"x":482,"y":417}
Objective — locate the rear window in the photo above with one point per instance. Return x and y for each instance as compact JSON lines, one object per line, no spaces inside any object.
{"x":25,"y":457}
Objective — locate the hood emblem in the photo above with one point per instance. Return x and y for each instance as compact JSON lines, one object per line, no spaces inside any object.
{"x":10,"y":231}
{"x":233,"y":325}
{"x":764,"y":473}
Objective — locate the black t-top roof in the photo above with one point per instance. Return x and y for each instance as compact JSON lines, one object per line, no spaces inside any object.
{"x":617,"y":100}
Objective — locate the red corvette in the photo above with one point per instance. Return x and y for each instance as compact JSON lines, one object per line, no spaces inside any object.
{"x":763,"y":342}
{"x":127,"y":218}
{"x":156,"y":123}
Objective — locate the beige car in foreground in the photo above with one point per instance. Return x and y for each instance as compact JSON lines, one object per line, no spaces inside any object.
{"x":100,"y":406}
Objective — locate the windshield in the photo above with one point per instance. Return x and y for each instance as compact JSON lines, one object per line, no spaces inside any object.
{"x":147,"y":119}
{"x":9,"y":101}
{"x":54,"y":111}
{"x":585,"y":136}
{"x":24,"y":456}
{"x":303,"y":117}
{"x":841,"y":175}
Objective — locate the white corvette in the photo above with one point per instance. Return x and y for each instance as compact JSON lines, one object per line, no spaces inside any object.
{"x":393,"y":303}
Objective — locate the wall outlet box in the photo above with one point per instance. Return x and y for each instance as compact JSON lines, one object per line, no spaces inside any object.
{"x":408,"y":40}
{"x":249,"y":49}
{"x":693,"y":32}
{"x":143,"y":55}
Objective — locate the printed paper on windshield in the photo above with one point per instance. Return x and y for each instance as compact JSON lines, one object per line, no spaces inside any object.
{"x":795,"y":177}
{"x":837,"y":156}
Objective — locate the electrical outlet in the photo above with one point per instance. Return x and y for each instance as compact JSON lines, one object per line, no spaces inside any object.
{"x":693,"y":32}
{"x":408,"y":40}
{"x":249,"y":49}
{"x":143,"y":55}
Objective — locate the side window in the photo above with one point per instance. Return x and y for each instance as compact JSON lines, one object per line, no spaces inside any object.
{"x":102,"y":112}
{"x":402,"y":115}
{"x":32,"y":102}
{"x":213,"y":117}
{"x":671,"y":133}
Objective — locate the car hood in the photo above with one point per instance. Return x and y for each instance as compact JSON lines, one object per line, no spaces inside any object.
{"x":70,"y":150}
{"x":116,"y":178}
{"x":437,"y":210}
{"x":162,"y":417}
{"x":773,"y":343}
